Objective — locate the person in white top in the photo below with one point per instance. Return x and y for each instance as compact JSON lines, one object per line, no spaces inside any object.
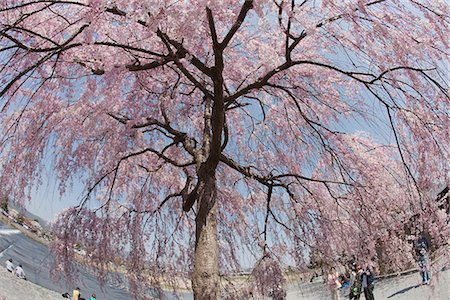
{"x":19,"y":272}
{"x":9,"y":265}
{"x":334,"y":284}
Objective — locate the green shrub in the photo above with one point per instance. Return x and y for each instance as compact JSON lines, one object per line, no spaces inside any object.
{"x":4,"y":204}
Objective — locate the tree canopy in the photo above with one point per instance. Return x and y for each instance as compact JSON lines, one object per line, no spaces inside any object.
{"x":211,"y":135}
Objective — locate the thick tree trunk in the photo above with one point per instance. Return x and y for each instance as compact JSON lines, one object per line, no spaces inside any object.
{"x":205,"y":278}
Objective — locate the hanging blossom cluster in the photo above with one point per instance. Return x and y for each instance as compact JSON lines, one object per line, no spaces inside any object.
{"x":269,"y":279}
{"x":282,"y":127}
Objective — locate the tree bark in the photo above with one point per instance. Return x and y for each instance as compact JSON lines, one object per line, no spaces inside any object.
{"x":205,"y":277}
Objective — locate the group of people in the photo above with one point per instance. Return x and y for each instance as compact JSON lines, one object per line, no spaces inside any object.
{"x":360,"y":280}
{"x":17,"y":271}
{"x":76,"y":295}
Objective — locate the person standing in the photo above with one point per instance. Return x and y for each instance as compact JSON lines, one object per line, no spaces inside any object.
{"x":76,"y":294}
{"x":367,"y":279}
{"x":93,"y":297}
{"x":423,"y":260}
{"x":355,"y":283}
{"x":334,"y":284}
{"x":9,"y":265}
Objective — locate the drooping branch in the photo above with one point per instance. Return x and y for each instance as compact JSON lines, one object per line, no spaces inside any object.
{"x":266,"y":219}
{"x":340,"y":16}
{"x":357,"y":76}
{"x":64,"y":46}
{"x":158,"y":208}
{"x":397,"y":141}
{"x":115,"y":171}
{"x":308,"y":120}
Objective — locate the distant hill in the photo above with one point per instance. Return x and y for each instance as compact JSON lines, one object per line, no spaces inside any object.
{"x":29,"y":215}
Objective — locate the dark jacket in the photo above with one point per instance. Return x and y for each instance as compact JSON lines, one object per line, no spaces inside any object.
{"x":369,"y":277}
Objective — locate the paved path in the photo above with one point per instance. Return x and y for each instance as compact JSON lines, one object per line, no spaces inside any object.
{"x":405,"y":287}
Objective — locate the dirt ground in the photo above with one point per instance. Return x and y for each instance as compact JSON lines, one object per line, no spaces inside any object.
{"x":13,"y":288}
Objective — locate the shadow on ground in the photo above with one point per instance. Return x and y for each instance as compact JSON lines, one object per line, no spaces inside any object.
{"x":404,"y":290}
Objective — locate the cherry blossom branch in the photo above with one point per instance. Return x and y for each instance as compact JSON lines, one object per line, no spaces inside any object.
{"x":338,"y":17}
{"x":91,"y":189}
{"x":212,"y":29}
{"x":262,"y":81}
{"x":177,"y":136}
{"x":137,"y":66}
{"x":270,"y":212}
{"x":397,"y":141}
{"x":194,"y":60}
{"x":179,"y":46}
{"x":287,"y":29}
{"x":136,"y":49}
{"x":297,"y":105}
{"x":289,"y":229}
{"x":24,"y":72}
{"x":269,"y":179}
{"x":181,"y":67}
{"x":160,"y":205}
{"x":266,"y":219}
{"x":115,"y":170}
{"x":42,"y":1}
{"x":21,"y":29}
{"x":248,"y":4}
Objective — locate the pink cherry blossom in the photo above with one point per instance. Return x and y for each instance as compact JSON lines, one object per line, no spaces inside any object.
{"x":212,"y":136}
